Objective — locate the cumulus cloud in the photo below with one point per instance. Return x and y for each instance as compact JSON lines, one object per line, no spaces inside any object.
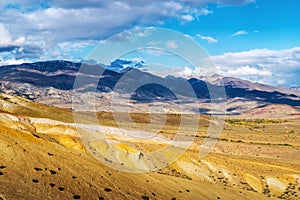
{"x":281,"y":82}
{"x":209,"y":39}
{"x":241,"y":32}
{"x":13,"y":61}
{"x":76,"y":45}
{"x":6,"y":40}
{"x":204,"y":12}
{"x":274,"y":67}
{"x":290,"y":58}
{"x":50,"y":23}
{"x":95,"y":19}
{"x":197,"y":72}
{"x":28,"y":51}
{"x":248,"y":71}
{"x":262,"y":65}
{"x":154,"y":51}
{"x":171,"y":45}
{"x":188,"y":18}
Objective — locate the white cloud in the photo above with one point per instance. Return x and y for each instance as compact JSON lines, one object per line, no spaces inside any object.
{"x":209,"y":39}
{"x":76,"y":45}
{"x":93,"y":19}
{"x":67,"y":21}
{"x":196,"y":72}
{"x":153,"y":51}
{"x":187,"y":72}
{"x":248,"y":71}
{"x":6,"y":39}
{"x":13,"y":61}
{"x":289,"y":58}
{"x":241,"y":32}
{"x":205,"y":12}
{"x":265,"y":65}
{"x":137,"y":59}
{"x":172,"y":45}
{"x":188,"y":18}
{"x":105,"y":3}
{"x":281,"y":82}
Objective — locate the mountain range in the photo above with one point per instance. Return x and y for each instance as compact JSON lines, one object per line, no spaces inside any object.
{"x":51,"y":82}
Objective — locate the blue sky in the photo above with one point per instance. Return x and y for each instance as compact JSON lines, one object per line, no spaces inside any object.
{"x":266,"y":24}
{"x":255,"y":40}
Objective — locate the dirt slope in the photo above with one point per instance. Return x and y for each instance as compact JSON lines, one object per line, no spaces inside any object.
{"x":43,"y":158}
{"x":34,"y":166}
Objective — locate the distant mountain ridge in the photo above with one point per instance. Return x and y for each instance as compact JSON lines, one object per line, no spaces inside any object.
{"x":56,"y":78}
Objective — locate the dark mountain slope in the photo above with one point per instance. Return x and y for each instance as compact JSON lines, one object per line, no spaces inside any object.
{"x":142,"y":86}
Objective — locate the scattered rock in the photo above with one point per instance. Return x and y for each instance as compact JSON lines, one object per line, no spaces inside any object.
{"x":107,"y":189}
{"x":61,"y":188}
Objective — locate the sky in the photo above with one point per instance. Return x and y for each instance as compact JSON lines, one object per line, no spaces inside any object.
{"x":257,"y":40}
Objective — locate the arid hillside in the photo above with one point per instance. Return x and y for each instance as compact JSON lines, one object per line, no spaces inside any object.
{"x":43,"y":157}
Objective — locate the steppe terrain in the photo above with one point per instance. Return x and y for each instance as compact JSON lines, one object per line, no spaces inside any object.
{"x":42,"y":157}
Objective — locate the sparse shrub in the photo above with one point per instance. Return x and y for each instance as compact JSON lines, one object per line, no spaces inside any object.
{"x":145,"y":197}
{"x":35,"y":180}
{"x":76,"y":197}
